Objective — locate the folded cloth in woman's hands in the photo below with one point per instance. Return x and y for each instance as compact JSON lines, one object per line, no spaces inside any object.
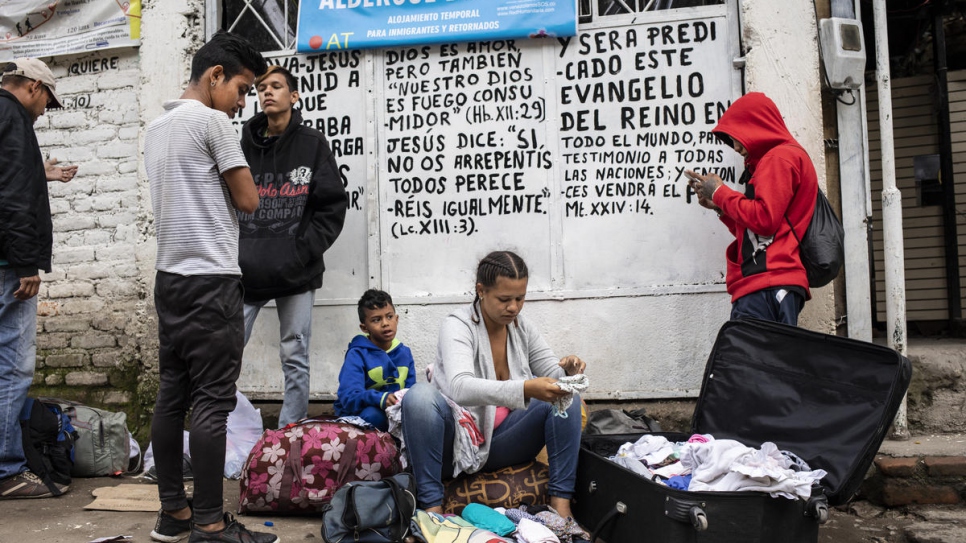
{"x":571,"y":384}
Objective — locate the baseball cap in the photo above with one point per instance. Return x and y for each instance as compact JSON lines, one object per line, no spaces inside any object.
{"x":35,"y":69}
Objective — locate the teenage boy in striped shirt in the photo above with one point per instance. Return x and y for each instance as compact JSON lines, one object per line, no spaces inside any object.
{"x":199,"y":177}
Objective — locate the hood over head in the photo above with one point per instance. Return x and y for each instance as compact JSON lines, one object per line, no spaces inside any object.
{"x":362,"y":341}
{"x":755,"y":122}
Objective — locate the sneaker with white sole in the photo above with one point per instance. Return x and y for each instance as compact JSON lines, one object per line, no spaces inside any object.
{"x":234,"y":532}
{"x":23,"y":485}
{"x":168,"y":529}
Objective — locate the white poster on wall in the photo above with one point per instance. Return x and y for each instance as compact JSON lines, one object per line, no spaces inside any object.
{"x":36,"y":28}
{"x":637,"y":105}
{"x":465,"y":166}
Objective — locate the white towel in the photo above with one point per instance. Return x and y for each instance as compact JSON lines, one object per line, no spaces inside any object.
{"x":571,"y":384}
{"x":529,"y":531}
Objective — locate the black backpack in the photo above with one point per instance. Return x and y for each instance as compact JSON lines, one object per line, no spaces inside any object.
{"x":822,"y":248}
{"x":48,"y":443}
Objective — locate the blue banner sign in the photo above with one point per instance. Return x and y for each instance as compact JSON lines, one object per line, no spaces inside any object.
{"x":326,"y":25}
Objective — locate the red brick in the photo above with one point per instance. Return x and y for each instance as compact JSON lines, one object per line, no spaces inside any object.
{"x":897,"y":467}
{"x":897,"y":493}
{"x":940,"y":466}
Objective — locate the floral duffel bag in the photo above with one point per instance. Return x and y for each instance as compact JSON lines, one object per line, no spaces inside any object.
{"x":297,"y":469}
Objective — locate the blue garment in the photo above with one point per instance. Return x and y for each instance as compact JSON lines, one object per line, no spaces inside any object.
{"x":295,"y":335}
{"x":778,"y":304}
{"x":368,"y":375}
{"x":429,"y":430}
{"x":680,"y":482}
{"x":18,"y":348}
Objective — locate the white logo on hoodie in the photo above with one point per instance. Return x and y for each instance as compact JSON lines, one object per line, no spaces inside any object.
{"x":300,"y":176}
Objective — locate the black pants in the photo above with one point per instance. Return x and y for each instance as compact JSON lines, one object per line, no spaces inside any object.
{"x":201,"y":338}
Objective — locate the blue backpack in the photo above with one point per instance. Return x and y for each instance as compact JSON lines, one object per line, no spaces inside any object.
{"x":48,"y":443}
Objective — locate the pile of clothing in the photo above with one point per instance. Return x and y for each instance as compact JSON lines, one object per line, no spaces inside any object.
{"x":703,"y":463}
{"x":482,"y":524}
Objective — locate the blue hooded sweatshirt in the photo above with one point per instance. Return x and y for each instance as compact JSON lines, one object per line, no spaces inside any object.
{"x":369,"y":374}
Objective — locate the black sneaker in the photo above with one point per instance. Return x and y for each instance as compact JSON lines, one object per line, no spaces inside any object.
{"x":169,"y":529}
{"x":234,"y":532}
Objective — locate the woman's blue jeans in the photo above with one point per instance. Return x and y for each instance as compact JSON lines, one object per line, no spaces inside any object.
{"x":429,"y":429}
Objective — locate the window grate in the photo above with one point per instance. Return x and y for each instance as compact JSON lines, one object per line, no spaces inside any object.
{"x":268,"y":24}
{"x":624,"y":7}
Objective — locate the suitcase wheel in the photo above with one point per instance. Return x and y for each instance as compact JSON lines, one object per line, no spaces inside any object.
{"x":699,"y":519}
{"x":817,"y":507}
{"x":686,"y":511}
{"x":820,"y":512}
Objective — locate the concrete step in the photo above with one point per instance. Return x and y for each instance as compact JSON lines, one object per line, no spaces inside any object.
{"x":937,"y":394}
{"x":922,"y":470}
{"x":929,"y":467}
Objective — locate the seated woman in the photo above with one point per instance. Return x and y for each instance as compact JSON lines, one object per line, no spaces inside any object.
{"x":493,"y":362}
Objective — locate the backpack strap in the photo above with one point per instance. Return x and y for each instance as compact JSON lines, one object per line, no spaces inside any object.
{"x":792,"y":228}
{"x":35,"y":460}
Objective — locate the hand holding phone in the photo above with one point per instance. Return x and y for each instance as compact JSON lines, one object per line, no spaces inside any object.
{"x":693,"y":180}
{"x":703,"y":188}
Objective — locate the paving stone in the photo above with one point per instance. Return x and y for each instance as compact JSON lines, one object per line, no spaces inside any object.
{"x":940,"y":466}
{"x":897,"y":467}
{"x":933,"y":532}
{"x":898,"y":492}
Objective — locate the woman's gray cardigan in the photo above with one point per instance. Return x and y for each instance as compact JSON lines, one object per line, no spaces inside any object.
{"x":464,"y":369}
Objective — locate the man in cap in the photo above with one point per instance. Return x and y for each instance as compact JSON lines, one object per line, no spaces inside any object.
{"x":27,"y":88}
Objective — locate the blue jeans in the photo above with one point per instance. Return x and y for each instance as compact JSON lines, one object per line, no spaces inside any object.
{"x":18,"y":356}
{"x":429,"y":430}
{"x":770,"y":304}
{"x":295,"y":333}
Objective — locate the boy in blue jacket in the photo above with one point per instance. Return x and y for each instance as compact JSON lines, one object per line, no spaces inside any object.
{"x":376,"y":364}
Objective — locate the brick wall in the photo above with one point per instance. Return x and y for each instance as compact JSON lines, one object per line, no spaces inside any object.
{"x":92,"y":306}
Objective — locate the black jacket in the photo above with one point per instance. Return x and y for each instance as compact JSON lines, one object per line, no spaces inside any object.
{"x":301,"y":209}
{"x":25,"y":227}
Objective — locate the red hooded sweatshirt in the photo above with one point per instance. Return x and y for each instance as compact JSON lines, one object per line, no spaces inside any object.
{"x":782,"y":183}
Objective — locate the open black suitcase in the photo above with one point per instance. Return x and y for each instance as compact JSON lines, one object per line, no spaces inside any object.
{"x":828,"y":399}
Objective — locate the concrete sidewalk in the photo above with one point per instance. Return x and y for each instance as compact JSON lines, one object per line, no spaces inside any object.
{"x":63,"y":520}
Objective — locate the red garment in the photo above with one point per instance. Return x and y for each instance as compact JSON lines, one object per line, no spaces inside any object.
{"x":783,"y":182}
{"x":466,"y":421}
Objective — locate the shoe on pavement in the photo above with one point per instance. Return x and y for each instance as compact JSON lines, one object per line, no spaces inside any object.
{"x":234,"y":532}
{"x":23,"y":485}
{"x":169,"y":529}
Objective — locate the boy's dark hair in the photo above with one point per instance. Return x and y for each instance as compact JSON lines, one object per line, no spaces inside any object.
{"x":495,"y":265}
{"x":232,"y":52}
{"x":373,"y":299}
{"x":293,"y":85}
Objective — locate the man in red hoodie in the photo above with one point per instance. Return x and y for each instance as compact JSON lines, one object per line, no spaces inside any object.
{"x":765,"y":276}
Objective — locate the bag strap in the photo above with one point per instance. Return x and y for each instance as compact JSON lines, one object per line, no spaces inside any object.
{"x":818,"y":196}
{"x":291,"y":470}
{"x":348,"y":461}
{"x":792,"y":228}
{"x":397,"y":531}
{"x":35,"y":461}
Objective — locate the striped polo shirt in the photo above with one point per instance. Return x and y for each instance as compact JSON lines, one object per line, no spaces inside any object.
{"x":186,"y":150}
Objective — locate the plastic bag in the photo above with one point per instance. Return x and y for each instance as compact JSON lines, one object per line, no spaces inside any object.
{"x":244,"y":429}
